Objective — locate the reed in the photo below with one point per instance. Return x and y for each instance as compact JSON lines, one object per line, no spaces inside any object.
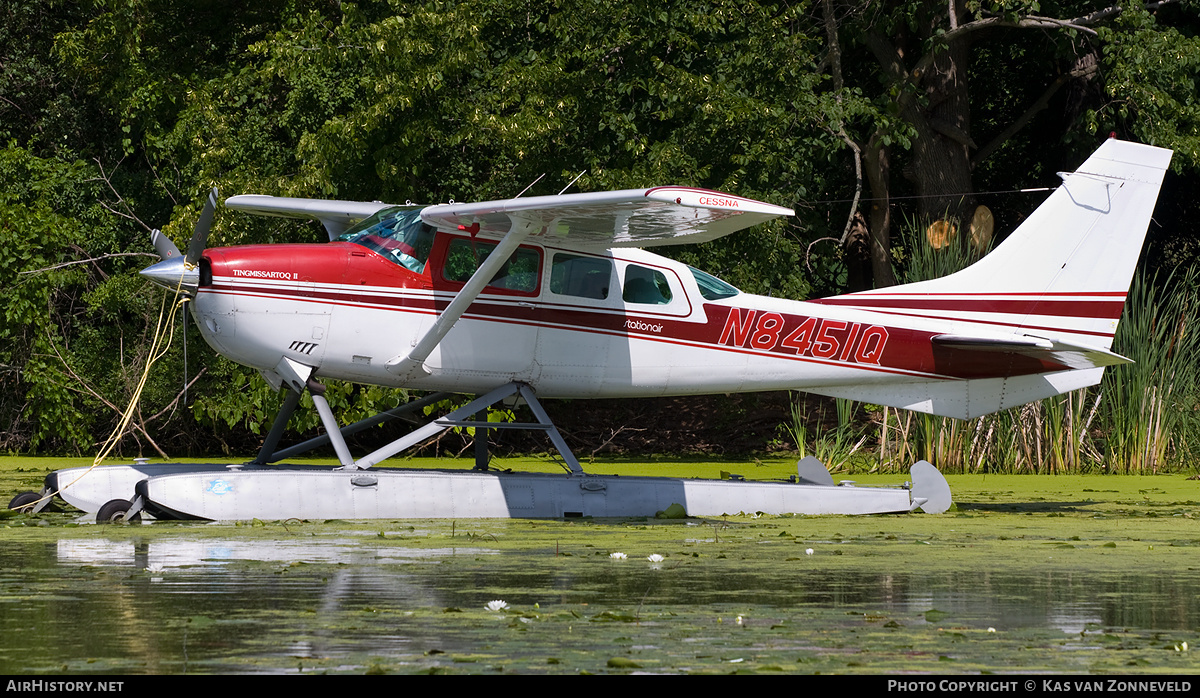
{"x":1143,"y":417}
{"x":840,"y":449}
{"x":921,"y":261}
{"x":1149,"y":408}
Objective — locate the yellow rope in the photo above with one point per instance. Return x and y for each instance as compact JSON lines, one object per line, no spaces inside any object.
{"x":157,"y":350}
{"x":163,"y":332}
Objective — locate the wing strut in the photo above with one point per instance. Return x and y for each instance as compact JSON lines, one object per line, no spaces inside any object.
{"x":412,"y":365}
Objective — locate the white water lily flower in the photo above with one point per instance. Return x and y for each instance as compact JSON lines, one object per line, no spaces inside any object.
{"x":496,"y":605}
{"x":808,"y":552}
{"x":618,"y":556}
{"x":655,"y":558}
{"x":154,"y":569}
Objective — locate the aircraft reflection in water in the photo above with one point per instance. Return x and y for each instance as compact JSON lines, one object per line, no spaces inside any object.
{"x":235,"y":604}
{"x":552,"y":297}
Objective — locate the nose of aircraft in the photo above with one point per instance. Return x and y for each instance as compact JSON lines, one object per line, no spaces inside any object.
{"x":178,"y":272}
{"x":173,"y":273}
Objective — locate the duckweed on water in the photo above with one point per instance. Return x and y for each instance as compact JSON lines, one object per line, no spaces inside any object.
{"x":1059,"y":574}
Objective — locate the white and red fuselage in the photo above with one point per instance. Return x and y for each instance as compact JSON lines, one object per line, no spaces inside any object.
{"x":346,"y":310}
{"x":1034,"y":318}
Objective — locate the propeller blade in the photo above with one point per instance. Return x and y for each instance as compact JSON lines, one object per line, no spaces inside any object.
{"x":200,"y":237}
{"x":163,"y":245}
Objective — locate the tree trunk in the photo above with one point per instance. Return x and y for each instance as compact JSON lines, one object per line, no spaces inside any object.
{"x":876,"y":165}
{"x":941,"y":155}
{"x":931,"y":95}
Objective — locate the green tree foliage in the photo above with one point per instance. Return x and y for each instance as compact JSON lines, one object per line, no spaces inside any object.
{"x":115,"y":116}
{"x":41,"y":106}
{"x":64,"y":317}
{"x":1152,"y":72}
{"x":468,"y":101}
{"x":1031,"y":81}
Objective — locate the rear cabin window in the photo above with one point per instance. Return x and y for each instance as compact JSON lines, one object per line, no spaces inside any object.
{"x":580,"y":276}
{"x":644,"y":285}
{"x":396,"y":233}
{"x":520,"y":273}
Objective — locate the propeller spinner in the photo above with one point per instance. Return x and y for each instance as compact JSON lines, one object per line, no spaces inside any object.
{"x":176,"y":271}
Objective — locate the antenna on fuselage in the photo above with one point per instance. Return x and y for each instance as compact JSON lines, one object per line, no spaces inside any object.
{"x":572,"y":182}
{"x":530,"y":185}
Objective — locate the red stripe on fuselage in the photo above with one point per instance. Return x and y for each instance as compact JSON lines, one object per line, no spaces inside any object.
{"x":996,"y":323}
{"x":837,"y":343}
{"x":330,"y":274}
{"x":1081,"y":308}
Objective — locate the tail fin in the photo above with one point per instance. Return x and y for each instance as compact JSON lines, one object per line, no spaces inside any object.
{"x":1064,"y":273}
{"x":1055,"y":287}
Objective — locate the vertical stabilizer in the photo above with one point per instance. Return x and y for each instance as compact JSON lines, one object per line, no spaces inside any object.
{"x":1053,"y":291}
{"x":1064,"y":273}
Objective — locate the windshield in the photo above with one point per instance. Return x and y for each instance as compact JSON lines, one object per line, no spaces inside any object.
{"x":712,"y":288}
{"x":398,"y":234}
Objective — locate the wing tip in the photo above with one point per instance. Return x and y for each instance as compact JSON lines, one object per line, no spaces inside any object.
{"x":695,"y":197}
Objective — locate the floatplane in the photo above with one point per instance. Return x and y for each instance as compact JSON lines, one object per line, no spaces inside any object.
{"x":556,"y":297}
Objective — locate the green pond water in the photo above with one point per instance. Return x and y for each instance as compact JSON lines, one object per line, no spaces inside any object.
{"x":1029,"y":574}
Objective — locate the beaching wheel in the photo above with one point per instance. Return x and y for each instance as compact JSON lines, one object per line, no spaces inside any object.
{"x":23,"y":502}
{"x":114,"y":511}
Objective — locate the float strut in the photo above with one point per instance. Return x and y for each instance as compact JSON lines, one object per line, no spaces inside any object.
{"x":281,"y":420}
{"x":475,"y":407}
{"x":268,"y":454}
{"x":481,"y":442}
{"x":332,"y":430}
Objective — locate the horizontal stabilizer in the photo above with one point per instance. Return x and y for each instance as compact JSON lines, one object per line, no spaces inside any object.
{"x":965,"y":399}
{"x":1070,"y":355}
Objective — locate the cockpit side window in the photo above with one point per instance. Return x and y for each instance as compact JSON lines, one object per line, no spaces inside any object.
{"x":520,"y":273}
{"x":396,"y":233}
{"x":712,"y":288}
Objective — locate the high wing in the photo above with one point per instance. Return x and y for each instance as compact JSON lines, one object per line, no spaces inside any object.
{"x":626,"y":218}
{"x":336,"y":216}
